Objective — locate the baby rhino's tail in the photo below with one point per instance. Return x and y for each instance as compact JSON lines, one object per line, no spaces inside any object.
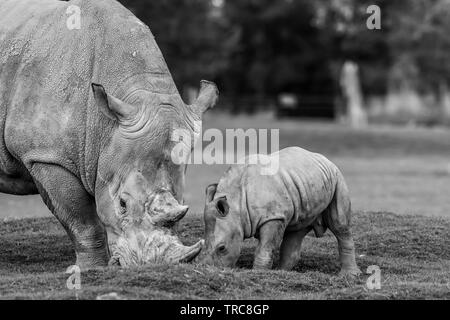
{"x":338,"y":211}
{"x":319,"y":226}
{"x":338,"y":214}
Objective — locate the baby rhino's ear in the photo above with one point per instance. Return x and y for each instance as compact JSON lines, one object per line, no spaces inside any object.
{"x":210,"y":192}
{"x":222,"y":206}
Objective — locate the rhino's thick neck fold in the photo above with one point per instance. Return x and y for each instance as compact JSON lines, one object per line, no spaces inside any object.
{"x":146,"y":82}
{"x":99,"y":131}
{"x":235,"y":181}
{"x":247,"y":225}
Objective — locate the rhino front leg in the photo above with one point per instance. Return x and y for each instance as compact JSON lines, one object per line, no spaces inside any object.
{"x":67,"y":199}
{"x":270,"y":237}
{"x":291,"y":248}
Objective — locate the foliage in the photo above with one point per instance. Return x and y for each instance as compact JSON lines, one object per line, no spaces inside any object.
{"x":265,"y":47}
{"x":195,"y":42}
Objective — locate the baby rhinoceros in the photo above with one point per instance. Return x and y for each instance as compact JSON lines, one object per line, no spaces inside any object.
{"x":307,"y":192}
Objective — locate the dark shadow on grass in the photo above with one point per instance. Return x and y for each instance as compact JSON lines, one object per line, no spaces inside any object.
{"x":34,"y":245}
{"x":36,"y":254}
{"x":325,"y":263}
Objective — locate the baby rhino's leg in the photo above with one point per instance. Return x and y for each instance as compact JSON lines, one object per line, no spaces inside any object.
{"x":270,"y":236}
{"x":291,"y":248}
{"x":337,"y":218}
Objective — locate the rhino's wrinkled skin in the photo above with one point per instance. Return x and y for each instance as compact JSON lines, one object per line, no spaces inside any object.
{"x":87,"y":116}
{"x":308,"y":192}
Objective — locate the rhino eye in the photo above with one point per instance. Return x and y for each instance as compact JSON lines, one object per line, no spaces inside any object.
{"x":221,"y":249}
{"x":123,"y":206}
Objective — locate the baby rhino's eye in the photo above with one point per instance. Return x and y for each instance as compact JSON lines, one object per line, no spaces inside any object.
{"x":221,"y":249}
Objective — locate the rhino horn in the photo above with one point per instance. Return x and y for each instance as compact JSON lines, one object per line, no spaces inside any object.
{"x":207,"y":97}
{"x":189,"y":253}
{"x":176,"y":214}
{"x":173,"y":251}
{"x":156,"y":246}
{"x":112,"y":107}
{"x":167,"y":216}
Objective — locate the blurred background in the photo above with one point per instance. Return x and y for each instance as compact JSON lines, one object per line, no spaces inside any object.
{"x":374,"y":101}
{"x":309,"y":58}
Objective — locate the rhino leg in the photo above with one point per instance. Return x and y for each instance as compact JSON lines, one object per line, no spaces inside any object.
{"x":291,"y":248}
{"x":270,"y":237}
{"x":65,"y":196}
{"x":337,"y":218}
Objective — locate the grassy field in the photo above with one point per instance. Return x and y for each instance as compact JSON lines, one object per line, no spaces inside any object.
{"x":401,"y":170}
{"x":411,"y":251}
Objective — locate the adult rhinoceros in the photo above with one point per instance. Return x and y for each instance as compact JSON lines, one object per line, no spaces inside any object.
{"x":87,"y":113}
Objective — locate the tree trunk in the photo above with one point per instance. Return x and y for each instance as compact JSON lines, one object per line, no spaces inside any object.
{"x":351,"y":89}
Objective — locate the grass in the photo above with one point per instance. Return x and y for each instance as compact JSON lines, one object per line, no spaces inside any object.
{"x":412,"y":252}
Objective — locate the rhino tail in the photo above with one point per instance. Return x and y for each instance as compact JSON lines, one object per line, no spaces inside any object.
{"x":338,"y":213}
{"x":319,"y":227}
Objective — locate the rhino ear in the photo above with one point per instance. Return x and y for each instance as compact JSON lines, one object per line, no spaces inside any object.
{"x":222,"y":206}
{"x":207,"y":98}
{"x":112,"y":107}
{"x":210,"y":192}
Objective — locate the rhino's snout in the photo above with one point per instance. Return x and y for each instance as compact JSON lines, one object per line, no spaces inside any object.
{"x":158,"y":247}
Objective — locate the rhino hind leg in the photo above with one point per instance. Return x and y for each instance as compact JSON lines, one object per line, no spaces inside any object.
{"x":337,"y":219}
{"x":291,"y":248}
{"x":66,"y":198}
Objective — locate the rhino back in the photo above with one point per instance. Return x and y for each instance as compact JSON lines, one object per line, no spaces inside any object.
{"x":111,"y":44}
{"x":310,"y":179}
{"x":46,"y":69}
{"x":302,"y":187}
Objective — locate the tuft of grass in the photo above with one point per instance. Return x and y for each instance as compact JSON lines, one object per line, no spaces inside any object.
{"x":411,"y":251}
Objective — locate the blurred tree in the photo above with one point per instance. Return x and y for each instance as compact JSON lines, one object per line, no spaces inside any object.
{"x":420,"y":35}
{"x":279,"y":49}
{"x":413,"y":38}
{"x":194,"y":39}
{"x":343,"y":26}
{"x":265,"y":47}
